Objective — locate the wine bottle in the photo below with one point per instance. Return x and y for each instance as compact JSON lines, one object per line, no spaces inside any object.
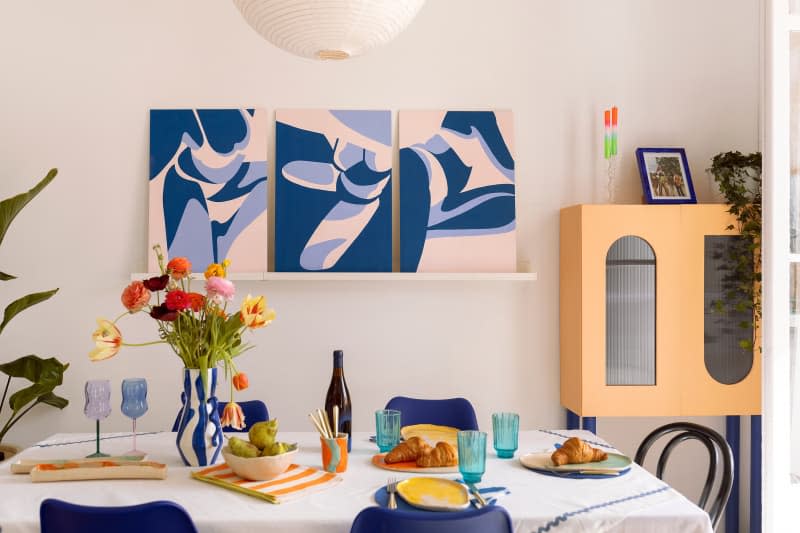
{"x":339,"y":395}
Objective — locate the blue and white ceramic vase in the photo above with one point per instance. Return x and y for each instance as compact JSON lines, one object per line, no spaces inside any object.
{"x":199,"y":437}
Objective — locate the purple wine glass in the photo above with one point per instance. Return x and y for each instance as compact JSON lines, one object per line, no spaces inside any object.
{"x":98,"y":406}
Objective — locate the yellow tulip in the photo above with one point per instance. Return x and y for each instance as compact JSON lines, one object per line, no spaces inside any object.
{"x":107,"y":339}
{"x":254,"y":312}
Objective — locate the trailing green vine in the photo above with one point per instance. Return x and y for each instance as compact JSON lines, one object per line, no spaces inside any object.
{"x":739,"y":178}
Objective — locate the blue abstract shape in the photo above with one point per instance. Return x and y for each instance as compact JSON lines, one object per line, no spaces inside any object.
{"x":177,"y":194}
{"x":167,"y":129}
{"x":194,"y":168}
{"x":312,"y":172}
{"x":313,"y":256}
{"x":375,"y":125}
{"x":252,"y":207}
{"x":415,"y":197}
{"x":224,"y":128}
{"x":246,"y":179}
{"x":485,"y":122}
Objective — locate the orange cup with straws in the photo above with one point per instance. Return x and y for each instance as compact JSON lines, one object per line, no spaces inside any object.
{"x":334,"y":453}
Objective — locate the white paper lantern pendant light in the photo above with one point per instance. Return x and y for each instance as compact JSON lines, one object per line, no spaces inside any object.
{"x":328,"y":29}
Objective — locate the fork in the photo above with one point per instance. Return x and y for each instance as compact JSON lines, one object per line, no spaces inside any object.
{"x":391,"y":488}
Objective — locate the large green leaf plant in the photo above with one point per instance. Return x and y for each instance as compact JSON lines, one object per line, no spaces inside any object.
{"x":44,"y":375}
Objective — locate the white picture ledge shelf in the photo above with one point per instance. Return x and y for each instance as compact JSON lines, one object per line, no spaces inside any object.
{"x":368,"y":276}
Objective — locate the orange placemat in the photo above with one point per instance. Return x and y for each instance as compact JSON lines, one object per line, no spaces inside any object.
{"x":296,"y":482}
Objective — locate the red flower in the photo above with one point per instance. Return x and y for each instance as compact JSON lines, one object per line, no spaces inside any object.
{"x":161,"y":312}
{"x":177,"y":300}
{"x":179,"y":267}
{"x":196,"y":301}
{"x":157,"y":283}
{"x":240,"y":381}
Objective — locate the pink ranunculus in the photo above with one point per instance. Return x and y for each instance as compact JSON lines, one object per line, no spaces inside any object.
{"x":135,"y":296}
{"x":220,"y":290}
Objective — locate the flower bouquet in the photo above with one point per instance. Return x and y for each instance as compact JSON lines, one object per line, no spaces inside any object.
{"x":201,"y":331}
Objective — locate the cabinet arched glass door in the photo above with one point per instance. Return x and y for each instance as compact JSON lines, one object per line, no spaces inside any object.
{"x":630,"y":312}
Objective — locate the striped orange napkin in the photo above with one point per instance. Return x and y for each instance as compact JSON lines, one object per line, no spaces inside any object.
{"x":296,"y":482}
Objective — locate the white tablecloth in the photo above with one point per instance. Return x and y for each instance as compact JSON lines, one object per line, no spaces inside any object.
{"x":636,"y":502}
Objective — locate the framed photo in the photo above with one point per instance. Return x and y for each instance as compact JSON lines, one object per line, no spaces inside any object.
{"x":665,"y":176}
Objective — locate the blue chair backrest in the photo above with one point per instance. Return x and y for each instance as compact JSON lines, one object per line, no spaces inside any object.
{"x":490,"y":519}
{"x":58,"y":516}
{"x":254,"y":411}
{"x":453,"y":412}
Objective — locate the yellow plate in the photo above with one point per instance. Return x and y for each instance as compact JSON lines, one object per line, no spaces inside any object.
{"x":431,"y":433}
{"x":434,"y":494}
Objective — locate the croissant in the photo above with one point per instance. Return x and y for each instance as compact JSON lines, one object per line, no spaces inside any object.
{"x":407,"y":450}
{"x":574,"y":451}
{"x":443,"y":455}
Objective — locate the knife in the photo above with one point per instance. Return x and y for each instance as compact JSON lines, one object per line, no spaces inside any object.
{"x":474,"y":490}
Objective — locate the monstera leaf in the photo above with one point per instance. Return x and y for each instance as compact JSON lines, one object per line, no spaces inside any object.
{"x":10,"y":208}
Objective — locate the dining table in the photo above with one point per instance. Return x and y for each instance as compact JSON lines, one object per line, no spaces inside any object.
{"x":632,"y":502}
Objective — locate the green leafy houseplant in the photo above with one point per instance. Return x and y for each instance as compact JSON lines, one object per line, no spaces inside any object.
{"x":739,"y":179}
{"x":44,"y":375}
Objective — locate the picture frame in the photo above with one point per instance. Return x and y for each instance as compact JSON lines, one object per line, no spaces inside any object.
{"x":665,"y":174}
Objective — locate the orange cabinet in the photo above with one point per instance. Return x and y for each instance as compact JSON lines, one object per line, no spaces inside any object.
{"x":637,"y":334}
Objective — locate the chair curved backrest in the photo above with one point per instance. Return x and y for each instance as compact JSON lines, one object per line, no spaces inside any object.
{"x":57,"y":516}
{"x":254,"y":411}
{"x":453,"y":412}
{"x":490,"y":519}
{"x":717,"y":448}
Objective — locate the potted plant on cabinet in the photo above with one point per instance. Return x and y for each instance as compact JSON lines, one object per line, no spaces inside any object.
{"x":739,"y":178}
{"x":43,"y":375}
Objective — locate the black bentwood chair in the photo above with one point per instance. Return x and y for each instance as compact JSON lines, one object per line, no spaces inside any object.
{"x":717,"y":448}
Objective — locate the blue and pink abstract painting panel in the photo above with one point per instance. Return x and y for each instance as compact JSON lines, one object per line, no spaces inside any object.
{"x":457,"y":192}
{"x":208,"y":186}
{"x":333,"y":194}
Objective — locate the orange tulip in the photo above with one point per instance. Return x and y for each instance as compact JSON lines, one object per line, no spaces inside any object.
{"x":240,"y":381}
{"x":232,"y":416}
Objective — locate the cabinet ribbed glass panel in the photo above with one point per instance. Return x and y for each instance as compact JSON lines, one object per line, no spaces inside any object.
{"x":630,"y":312}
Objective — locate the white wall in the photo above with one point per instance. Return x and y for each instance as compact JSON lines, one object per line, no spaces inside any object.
{"x":78,"y":79}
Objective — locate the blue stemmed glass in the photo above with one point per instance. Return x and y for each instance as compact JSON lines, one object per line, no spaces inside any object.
{"x":134,"y":404}
{"x":98,"y":406}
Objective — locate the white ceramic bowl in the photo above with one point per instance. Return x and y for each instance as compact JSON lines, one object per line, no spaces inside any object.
{"x":258,"y":468}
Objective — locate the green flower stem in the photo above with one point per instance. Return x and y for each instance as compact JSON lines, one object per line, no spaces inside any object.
{"x":143,"y":343}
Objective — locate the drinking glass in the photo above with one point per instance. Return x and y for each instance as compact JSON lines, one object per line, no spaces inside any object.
{"x":471,"y":455}
{"x":134,"y":404}
{"x":387,"y":429}
{"x":98,"y":406}
{"x":505,"y":431}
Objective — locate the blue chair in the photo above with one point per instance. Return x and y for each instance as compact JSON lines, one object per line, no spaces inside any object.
{"x":490,"y":519}
{"x":58,"y":516}
{"x":453,"y":412}
{"x":254,"y":411}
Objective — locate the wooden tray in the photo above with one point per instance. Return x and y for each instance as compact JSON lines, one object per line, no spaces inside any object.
{"x":102,"y":469}
{"x":24,"y":466}
{"x":411,"y":466}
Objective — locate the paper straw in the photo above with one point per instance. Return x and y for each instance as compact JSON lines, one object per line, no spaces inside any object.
{"x":316,"y":424}
{"x":336,"y":419}
{"x":607,"y":134}
{"x":323,"y":419}
{"x":614,"y":127}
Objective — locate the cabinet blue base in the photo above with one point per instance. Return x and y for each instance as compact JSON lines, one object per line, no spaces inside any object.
{"x":755,"y":474}
{"x":732,"y":430}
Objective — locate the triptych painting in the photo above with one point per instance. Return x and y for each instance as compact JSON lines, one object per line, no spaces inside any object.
{"x":333,"y":189}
